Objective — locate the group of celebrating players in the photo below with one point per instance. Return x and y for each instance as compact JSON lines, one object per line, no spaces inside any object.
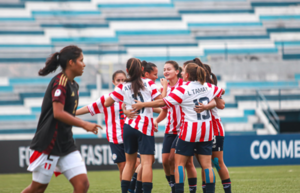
{"x":189,"y":99}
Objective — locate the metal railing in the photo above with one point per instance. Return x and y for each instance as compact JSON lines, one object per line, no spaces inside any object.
{"x":269,"y":112}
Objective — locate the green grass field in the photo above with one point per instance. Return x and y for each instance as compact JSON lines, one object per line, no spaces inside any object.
{"x":273,"y":179}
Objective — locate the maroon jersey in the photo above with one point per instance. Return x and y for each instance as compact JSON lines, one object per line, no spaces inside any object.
{"x":53,"y":136}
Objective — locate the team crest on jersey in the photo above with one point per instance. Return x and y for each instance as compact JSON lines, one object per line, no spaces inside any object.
{"x":73,"y":94}
{"x":57,"y":92}
{"x":114,"y":156}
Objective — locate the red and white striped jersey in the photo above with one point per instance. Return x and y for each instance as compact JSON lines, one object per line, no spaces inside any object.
{"x":217,"y":124}
{"x":174,"y":113}
{"x":114,"y":118}
{"x":196,"y":127}
{"x":144,"y":121}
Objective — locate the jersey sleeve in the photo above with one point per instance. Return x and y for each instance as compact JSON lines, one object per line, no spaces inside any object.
{"x":97,"y":106}
{"x":59,"y":89}
{"x":154,"y":90}
{"x":217,"y":91}
{"x":175,"y":97}
{"x":117,"y":95}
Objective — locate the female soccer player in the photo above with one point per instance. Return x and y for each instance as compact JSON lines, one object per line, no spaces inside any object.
{"x":138,"y":132}
{"x":149,"y":71}
{"x":114,"y":121}
{"x":196,"y":132}
{"x":219,"y":135}
{"x":53,"y":144}
{"x":172,"y":73}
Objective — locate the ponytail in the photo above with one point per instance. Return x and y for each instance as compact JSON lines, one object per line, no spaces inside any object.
{"x":134,"y":68}
{"x":196,"y":73}
{"x":60,"y":59}
{"x":179,"y":74}
{"x":201,"y":75}
{"x":214,"y":79}
{"x":52,"y":64}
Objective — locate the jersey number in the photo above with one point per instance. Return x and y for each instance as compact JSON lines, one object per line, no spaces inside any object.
{"x":139,"y":95}
{"x":201,"y":100}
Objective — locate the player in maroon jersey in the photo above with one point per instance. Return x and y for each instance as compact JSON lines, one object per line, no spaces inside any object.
{"x":53,"y":144}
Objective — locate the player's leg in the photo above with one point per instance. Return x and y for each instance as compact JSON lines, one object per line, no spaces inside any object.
{"x":192,"y":175}
{"x":204,"y":151}
{"x":118,"y":156}
{"x":134,"y":177}
{"x":172,"y":169}
{"x":218,"y":161}
{"x":147,"y":151}
{"x":172,"y":163}
{"x":42,"y":167}
{"x":167,"y":145}
{"x":74,"y":169}
{"x":184,"y":150}
{"x":180,"y":162}
{"x":139,"y":183}
{"x":130,"y":136}
{"x":79,"y":182}
{"x":121,"y":166}
{"x":35,"y":187}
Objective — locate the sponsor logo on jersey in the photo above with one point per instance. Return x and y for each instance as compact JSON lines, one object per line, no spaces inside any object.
{"x":57,"y":92}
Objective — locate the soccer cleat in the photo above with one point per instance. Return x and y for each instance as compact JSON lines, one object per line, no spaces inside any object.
{"x":131,"y":191}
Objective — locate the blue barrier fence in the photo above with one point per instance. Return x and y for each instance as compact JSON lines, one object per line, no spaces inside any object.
{"x":282,"y":149}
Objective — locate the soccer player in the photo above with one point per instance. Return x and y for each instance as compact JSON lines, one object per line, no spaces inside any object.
{"x":196,"y":131}
{"x":172,"y":73}
{"x":149,"y":71}
{"x":114,"y":121}
{"x":219,"y":135}
{"x":53,"y":144}
{"x":138,"y":133}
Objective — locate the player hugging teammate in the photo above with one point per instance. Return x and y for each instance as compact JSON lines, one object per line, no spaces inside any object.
{"x":189,"y":100}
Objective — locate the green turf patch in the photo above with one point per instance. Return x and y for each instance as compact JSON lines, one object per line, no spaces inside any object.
{"x":269,"y":179}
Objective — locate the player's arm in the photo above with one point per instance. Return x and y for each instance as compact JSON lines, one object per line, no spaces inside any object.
{"x":82,"y":111}
{"x":162,"y":115}
{"x":157,"y":110}
{"x":158,"y":102}
{"x":201,"y":107}
{"x":220,"y":103}
{"x":60,"y":114}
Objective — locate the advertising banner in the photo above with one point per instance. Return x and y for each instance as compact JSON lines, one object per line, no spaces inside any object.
{"x":283,"y":149}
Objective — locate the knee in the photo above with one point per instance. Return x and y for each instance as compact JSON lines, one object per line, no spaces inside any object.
{"x":171,"y":160}
{"x":82,"y":186}
{"x":165,"y":161}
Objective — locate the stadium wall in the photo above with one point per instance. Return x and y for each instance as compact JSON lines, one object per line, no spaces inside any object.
{"x":282,"y":149}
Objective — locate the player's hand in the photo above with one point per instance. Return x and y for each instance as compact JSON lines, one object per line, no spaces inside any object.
{"x":137,"y":106}
{"x":164,"y":82}
{"x":91,"y":127}
{"x":200,"y":108}
{"x":131,"y":114}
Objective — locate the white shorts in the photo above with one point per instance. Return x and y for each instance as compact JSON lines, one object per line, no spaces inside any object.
{"x":43,"y":166}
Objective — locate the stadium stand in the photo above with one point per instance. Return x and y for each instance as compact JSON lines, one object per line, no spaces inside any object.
{"x":254,"y":45}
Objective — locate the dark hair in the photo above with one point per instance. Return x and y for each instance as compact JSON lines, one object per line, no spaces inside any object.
{"x":148,"y":67}
{"x":117,"y":72}
{"x":60,"y":59}
{"x":176,"y":67}
{"x":198,"y":61}
{"x":195,"y":72}
{"x":213,"y":76}
{"x":134,"y":68}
